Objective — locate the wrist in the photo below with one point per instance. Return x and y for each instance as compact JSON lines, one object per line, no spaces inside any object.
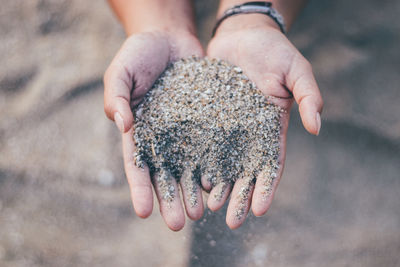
{"x":170,"y":28}
{"x":288,"y":9}
{"x":246,"y":21}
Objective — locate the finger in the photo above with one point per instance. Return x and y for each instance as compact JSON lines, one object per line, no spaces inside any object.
{"x":265,"y":187}
{"x":192,"y":196}
{"x":218,"y":196}
{"x":239,"y":204}
{"x":268,"y":179}
{"x":170,"y":203}
{"x":306,"y":93}
{"x":138,"y":179}
{"x":205,"y":182}
{"x":134,"y":66}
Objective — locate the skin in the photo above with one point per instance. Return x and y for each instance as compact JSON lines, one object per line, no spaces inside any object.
{"x":158,"y":33}
{"x":161,"y":32}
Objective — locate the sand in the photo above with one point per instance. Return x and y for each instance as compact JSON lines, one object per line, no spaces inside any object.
{"x":205,"y":117}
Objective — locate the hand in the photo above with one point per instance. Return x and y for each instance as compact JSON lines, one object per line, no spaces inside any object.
{"x":139,"y":62}
{"x":280,"y":72}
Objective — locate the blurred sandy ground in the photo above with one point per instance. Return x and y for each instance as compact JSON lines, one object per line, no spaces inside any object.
{"x":63,"y":196}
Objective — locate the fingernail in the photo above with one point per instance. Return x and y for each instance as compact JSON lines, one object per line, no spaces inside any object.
{"x":318,"y":122}
{"x":119,"y":121}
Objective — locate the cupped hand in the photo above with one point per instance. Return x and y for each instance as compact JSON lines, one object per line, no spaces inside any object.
{"x":281,"y":73}
{"x":139,"y":62}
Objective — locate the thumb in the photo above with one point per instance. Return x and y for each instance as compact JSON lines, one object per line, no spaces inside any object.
{"x":305,"y":90}
{"x":117,"y":87}
{"x":138,"y":63}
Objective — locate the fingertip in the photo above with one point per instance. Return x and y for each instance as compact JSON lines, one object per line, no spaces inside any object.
{"x":310,"y":116}
{"x":119,"y":122}
{"x":233,"y":223}
{"x":196,"y":214}
{"x":260,"y":206}
{"x":138,"y":180}
{"x":266,"y":185}
{"x":175,"y":221}
{"x":192,"y":195}
{"x":212,"y":204}
{"x":121,"y":114}
{"x":258,"y":212}
{"x":318,"y":119}
{"x":312,"y":123}
{"x":123,"y":118}
{"x":177,"y":228}
{"x":143,"y":212}
{"x":218,"y":197}
{"x":262,"y":197}
{"x":142,"y":201}
{"x":171,"y":208}
{"x":195,"y":211}
{"x":205,"y":182}
{"x":239,"y":204}
{"x":172,"y":214}
{"x":310,"y":128}
{"x":127,"y":123}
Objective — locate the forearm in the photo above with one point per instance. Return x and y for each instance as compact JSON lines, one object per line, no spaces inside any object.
{"x":287,"y":8}
{"x":154,"y":15}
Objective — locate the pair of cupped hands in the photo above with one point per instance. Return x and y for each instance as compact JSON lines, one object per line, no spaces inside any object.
{"x":265,"y":55}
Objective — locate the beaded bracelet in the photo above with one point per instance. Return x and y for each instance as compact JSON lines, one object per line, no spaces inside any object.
{"x":253,"y":7}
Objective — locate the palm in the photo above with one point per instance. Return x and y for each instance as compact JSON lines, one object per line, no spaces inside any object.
{"x":265,"y":55}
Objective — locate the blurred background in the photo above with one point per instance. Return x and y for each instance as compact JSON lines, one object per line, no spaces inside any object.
{"x":64,"y":200}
